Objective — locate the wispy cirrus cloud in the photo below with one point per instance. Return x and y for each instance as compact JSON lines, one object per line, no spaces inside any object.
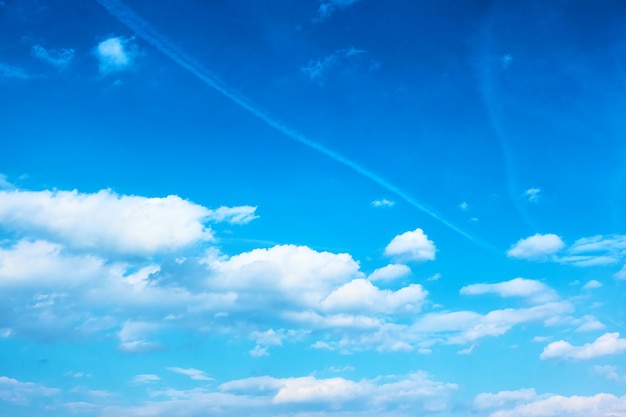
{"x":533,"y":194}
{"x":328,"y":7}
{"x":318,"y":70}
{"x":383,"y":203}
{"x":192,"y":373}
{"x":10,"y":71}
{"x":59,"y":58}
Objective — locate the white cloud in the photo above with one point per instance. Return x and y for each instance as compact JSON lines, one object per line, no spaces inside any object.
{"x":10,"y":71}
{"x":411,"y":246}
{"x":533,"y":194}
{"x":621,"y":274}
{"x":360,"y":295}
{"x":607,"y":344}
{"x":464,"y":206}
{"x":108,"y":222}
{"x":504,"y":398}
{"x":131,"y":336}
{"x":116,"y":54}
{"x":602,"y":404}
{"x":59,"y":58}
{"x":590,"y":324}
{"x":5,"y":184}
{"x":318,"y":69}
{"x":233,"y":215}
{"x":14,"y":391}
{"x":328,"y":7}
{"x":192,"y":373}
{"x":383,"y":203}
{"x":607,"y":371}
{"x":592,"y":285}
{"x":460,"y":327}
{"x":295,"y":275}
{"x":536,"y":247}
{"x":599,"y":243}
{"x":45,"y":265}
{"x":390,"y":272}
{"x":519,"y":287}
{"x":145,"y":378}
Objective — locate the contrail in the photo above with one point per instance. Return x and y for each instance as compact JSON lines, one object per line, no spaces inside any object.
{"x":138,"y":25}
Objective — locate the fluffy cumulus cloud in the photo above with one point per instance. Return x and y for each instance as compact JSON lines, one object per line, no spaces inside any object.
{"x":296,"y":275}
{"x":386,"y":395}
{"x":411,"y":246}
{"x":108,"y":222}
{"x":390,"y":272}
{"x":607,"y":344}
{"x":519,"y":287}
{"x":536,"y":247}
{"x":116,"y":54}
{"x":362,"y":296}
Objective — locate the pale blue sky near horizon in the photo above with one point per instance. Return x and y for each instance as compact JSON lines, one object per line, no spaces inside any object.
{"x":313,"y":208}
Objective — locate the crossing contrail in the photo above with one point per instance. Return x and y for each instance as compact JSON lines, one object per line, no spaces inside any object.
{"x":144,"y":30}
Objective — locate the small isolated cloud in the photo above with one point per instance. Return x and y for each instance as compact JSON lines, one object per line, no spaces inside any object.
{"x":192,"y":373}
{"x":519,"y":287}
{"x":411,"y":246}
{"x":506,"y":61}
{"x":607,"y":344}
{"x":383,"y":203}
{"x":621,"y":274}
{"x":533,"y":194}
{"x":390,"y":272}
{"x":145,"y":379}
{"x":9,"y":71}
{"x":536,"y":247}
{"x":328,"y":7}
{"x":464,"y":206}
{"x":590,"y":324}
{"x":116,"y":54}
{"x":59,"y":58}
{"x":592,"y":285}
{"x":318,"y":69}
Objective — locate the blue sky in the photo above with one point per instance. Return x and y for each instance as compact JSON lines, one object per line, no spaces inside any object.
{"x":314,"y":208}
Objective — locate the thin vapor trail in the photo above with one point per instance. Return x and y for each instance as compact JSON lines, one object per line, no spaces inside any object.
{"x":138,"y":25}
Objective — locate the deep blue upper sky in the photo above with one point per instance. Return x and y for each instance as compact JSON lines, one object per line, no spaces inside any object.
{"x":312,"y":208}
